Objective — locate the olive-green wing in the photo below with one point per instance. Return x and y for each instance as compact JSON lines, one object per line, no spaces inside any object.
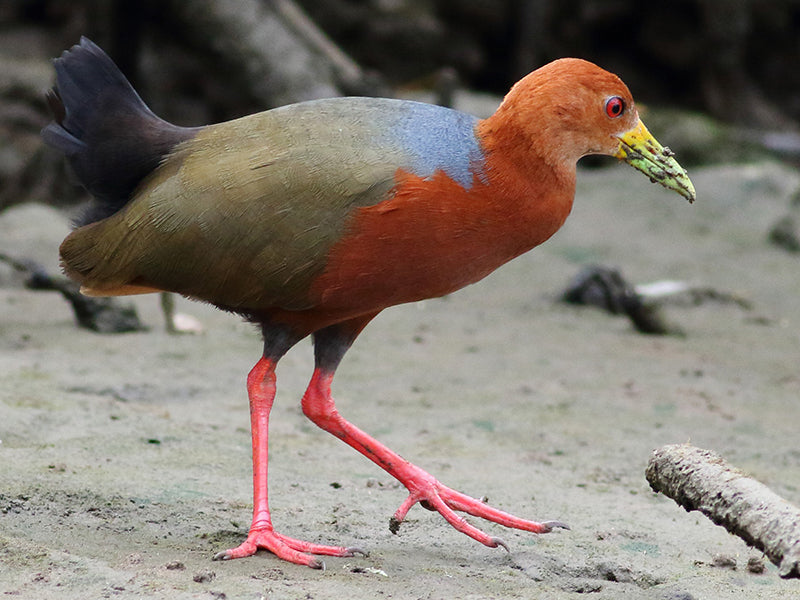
{"x":244,"y":214}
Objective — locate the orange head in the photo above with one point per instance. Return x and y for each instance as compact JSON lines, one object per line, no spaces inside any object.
{"x":570,"y":108}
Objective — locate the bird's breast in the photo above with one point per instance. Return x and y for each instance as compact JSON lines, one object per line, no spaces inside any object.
{"x":434,"y":236}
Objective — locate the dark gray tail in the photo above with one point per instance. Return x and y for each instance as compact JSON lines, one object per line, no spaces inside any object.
{"x":111,"y":138}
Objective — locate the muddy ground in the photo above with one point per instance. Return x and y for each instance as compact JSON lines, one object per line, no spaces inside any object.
{"x":124,"y":462}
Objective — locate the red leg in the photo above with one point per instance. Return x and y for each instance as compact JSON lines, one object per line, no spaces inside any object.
{"x":319,"y":406}
{"x":261,"y":390}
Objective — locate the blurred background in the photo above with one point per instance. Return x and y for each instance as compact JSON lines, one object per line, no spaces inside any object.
{"x":722,"y":72}
{"x":557,"y":410}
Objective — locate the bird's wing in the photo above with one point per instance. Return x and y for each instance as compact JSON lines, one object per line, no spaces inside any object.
{"x":244,"y":214}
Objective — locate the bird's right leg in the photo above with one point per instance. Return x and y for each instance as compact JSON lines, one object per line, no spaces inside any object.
{"x":261,"y":390}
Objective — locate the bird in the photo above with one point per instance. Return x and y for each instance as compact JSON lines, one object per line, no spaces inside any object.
{"x":309,"y":219}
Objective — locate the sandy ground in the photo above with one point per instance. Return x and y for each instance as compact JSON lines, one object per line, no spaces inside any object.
{"x":124,"y":462}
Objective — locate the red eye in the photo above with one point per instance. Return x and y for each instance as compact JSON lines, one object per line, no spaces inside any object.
{"x":615,"y":107}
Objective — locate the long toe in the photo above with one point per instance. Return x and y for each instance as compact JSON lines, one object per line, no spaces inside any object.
{"x":286,"y":548}
{"x":431,"y":494}
{"x":477,"y":508}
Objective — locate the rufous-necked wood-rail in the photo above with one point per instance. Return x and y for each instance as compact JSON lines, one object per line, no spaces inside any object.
{"x":310,"y":219}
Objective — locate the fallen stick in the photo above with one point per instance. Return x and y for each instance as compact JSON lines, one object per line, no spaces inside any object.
{"x":698,"y":479}
{"x":347,"y":70}
{"x":103,"y":315}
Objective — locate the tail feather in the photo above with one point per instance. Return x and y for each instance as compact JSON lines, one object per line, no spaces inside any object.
{"x":110,"y":136}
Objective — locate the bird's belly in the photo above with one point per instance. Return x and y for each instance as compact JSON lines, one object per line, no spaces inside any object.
{"x":384,"y":274}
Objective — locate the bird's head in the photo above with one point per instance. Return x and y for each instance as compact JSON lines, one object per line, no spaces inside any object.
{"x":570,"y":108}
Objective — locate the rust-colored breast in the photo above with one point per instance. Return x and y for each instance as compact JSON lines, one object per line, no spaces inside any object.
{"x":434,"y":237}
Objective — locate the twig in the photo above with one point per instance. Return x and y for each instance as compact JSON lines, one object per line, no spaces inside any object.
{"x":103,"y":315}
{"x":701,"y":480}
{"x":347,"y":70}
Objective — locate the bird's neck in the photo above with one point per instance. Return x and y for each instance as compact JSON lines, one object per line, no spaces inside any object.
{"x":537,"y":193}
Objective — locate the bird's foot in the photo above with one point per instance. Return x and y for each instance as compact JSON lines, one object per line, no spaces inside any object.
{"x":431,"y":494}
{"x":286,"y":548}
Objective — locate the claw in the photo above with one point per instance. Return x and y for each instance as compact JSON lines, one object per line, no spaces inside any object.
{"x":550,"y":525}
{"x":222,"y":556}
{"x":501,"y":543}
{"x":353,"y":551}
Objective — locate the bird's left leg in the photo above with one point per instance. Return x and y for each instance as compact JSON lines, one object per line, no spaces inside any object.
{"x":330,"y":345}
